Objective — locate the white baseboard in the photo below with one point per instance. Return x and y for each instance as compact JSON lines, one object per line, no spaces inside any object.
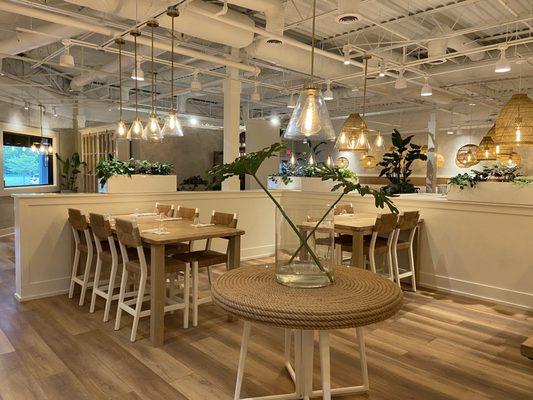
{"x":7,"y":231}
{"x":475,"y":290}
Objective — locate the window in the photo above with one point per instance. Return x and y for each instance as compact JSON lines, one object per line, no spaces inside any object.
{"x":22,"y":167}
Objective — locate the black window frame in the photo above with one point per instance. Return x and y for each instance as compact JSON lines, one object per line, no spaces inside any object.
{"x":23,"y":140}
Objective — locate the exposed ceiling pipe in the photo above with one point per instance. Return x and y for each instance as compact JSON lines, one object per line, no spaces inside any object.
{"x":274,"y":11}
{"x":437,"y":48}
{"x":22,"y":42}
{"x":103,"y":30}
{"x":188,"y":22}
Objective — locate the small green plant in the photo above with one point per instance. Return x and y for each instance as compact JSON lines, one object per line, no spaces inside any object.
{"x":496,"y":172}
{"x":108,"y":167}
{"x":193,"y":182}
{"x":250,"y":163}
{"x":397,"y":164}
{"x":70,"y":169}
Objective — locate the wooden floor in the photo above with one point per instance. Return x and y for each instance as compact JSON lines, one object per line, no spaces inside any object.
{"x":438,"y":347}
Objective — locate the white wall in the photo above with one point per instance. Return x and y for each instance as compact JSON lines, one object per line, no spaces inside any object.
{"x":261,"y":133}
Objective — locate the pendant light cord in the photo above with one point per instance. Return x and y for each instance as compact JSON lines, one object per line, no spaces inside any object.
{"x":364,"y":86}
{"x":120,"y":80}
{"x":153,"y":85}
{"x":136,"y":78}
{"x":172,"y":70}
{"x":313,"y":44}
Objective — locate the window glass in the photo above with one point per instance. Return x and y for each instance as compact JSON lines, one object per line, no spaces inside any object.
{"x":24,"y":167}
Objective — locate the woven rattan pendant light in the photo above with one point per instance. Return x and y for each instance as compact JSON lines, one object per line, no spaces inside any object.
{"x":354,"y":132}
{"x":486,"y":150}
{"x":310,"y":117}
{"x":369,"y":162}
{"x":466,"y":156}
{"x":514,"y":125}
{"x":342,"y":162}
{"x":511,"y":160}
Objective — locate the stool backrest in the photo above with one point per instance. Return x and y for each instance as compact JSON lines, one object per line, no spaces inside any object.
{"x":128,"y":233}
{"x":385,"y":224}
{"x":167,"y":209}
{"x":341,"y":209}
{"x":100,"y":226}
{"x":225,"y":219}
{"x":77,"y":220}
{"x":187,"y":213}
{"x":408,"y":220}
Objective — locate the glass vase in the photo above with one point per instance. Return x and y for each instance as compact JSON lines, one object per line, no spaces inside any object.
{"x":305,"y":247}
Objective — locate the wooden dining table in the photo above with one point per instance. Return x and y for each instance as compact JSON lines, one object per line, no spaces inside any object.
{"x":178,"y":231}
{"x":358,"y":225}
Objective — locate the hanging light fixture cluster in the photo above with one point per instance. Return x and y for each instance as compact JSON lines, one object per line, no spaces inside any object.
{"x":354,"y":131}
{"x":310,"y":117}
{"x":42,"y":146}
{"x":152,"y":131}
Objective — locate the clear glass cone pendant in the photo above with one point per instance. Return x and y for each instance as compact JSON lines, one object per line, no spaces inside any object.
{"x":34,"y":148}
{"x":136,"y":130}
{"x":152,"y":130}
{"x":172,"y":126}
{"x":121,"y":131}
{"x":50,"y":149}
{"x":310,"y":118}
{"x":379,"y":143}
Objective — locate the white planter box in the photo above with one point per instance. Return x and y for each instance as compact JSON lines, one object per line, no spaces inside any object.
{"x":494,"y":192}
{"x":140,"y":184}
{"x":301,"y":183}
{"x":276,"y":183}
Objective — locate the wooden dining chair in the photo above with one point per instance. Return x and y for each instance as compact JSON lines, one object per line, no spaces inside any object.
{"x":106,"y":250}
{"x":407,"y":222}
{"x":380,"y":243}
{"x":343,"y":209}
{"x":131,"y":302}
{"x":194,"y":260}
{"x":166,"y":209}
{"x":82,"y":244}
{"x":187,"y":213}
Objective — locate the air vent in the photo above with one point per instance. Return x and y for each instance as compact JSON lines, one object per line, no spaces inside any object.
{"x":348,"y":11}
{"x":274,"y":41}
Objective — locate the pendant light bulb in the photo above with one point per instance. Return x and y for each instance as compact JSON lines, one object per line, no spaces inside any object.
{"x":346,"y":52}
{"x":518,"y":135}
{"x":311,"y":160}
{"x":293,"y":159}
{"x":329,"y":162}
{"x":50,"y":149}
{"x":33,"y":148}
{"x":382,"y":71}
{"x":136,"y":130}
{"x":309,"y":121}
{"x":379,"y":143}
{"x":121,"y":130}
{"x":152,"y":131}
{"x":498,"y":149}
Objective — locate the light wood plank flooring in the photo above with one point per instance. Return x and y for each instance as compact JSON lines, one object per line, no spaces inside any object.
{"x":438,"y":347}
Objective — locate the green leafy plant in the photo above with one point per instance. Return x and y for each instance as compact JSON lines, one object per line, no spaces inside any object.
{"x":496,"y":172}
{"x":397,"y":164}
{"x":250,"y":163}
{"x":193,"y":182}
{"x":523,"y":181}
{"x":70,"y":169}
{"x":108,"y":167}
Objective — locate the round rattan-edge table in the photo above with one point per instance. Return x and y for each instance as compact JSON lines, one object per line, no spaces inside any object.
{"x":356,"y":298}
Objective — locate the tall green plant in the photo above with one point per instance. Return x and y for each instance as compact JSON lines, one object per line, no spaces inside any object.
{"x":250,"y":163}
{"x":70,"y":169}
{"x":108,"y":167}
{"x":397,"y":164}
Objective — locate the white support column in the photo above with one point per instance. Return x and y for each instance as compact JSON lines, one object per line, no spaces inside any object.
{"x":431,"y":165}
{"x":232,"y":102}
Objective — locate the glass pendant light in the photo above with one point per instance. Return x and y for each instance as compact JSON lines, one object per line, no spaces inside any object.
{"x":152,"y":131}
{"x":121,"y":129}
{"x":136,"y":129}
{"x":379,"y":143}
{"x":329,"y":162}
{"x":172,"y":127}
{"x":310,"y":117}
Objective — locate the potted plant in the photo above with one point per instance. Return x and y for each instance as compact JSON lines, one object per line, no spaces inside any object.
{"x":299,"y":254}
{"x":194,"y":183}
{"x":70,"y":169}
{"x":397,"y":164}
{"x":134,"y":176}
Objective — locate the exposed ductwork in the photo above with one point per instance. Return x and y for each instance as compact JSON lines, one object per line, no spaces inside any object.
{"x":188,"y":22}
{"x":46,"y":34}
{"x":274,"y":11}
{"x":438,"y":47}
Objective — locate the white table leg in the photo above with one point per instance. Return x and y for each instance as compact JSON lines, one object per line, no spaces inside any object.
{"x":242,"y":359}
{"x":362,"y":356}
{"x":324,"y":364}
{"x":288,"y":343}
{"x":308,"y":339}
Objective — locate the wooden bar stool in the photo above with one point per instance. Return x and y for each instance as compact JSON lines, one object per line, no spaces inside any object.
{"x":106,"y":250}
{"x":407,"y":222}
{"x":381,"y":242}
{"x":206,"y":258}
{"x":129,"y":237}
{"x":166,"y":209}
{"x":83,"y":244}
